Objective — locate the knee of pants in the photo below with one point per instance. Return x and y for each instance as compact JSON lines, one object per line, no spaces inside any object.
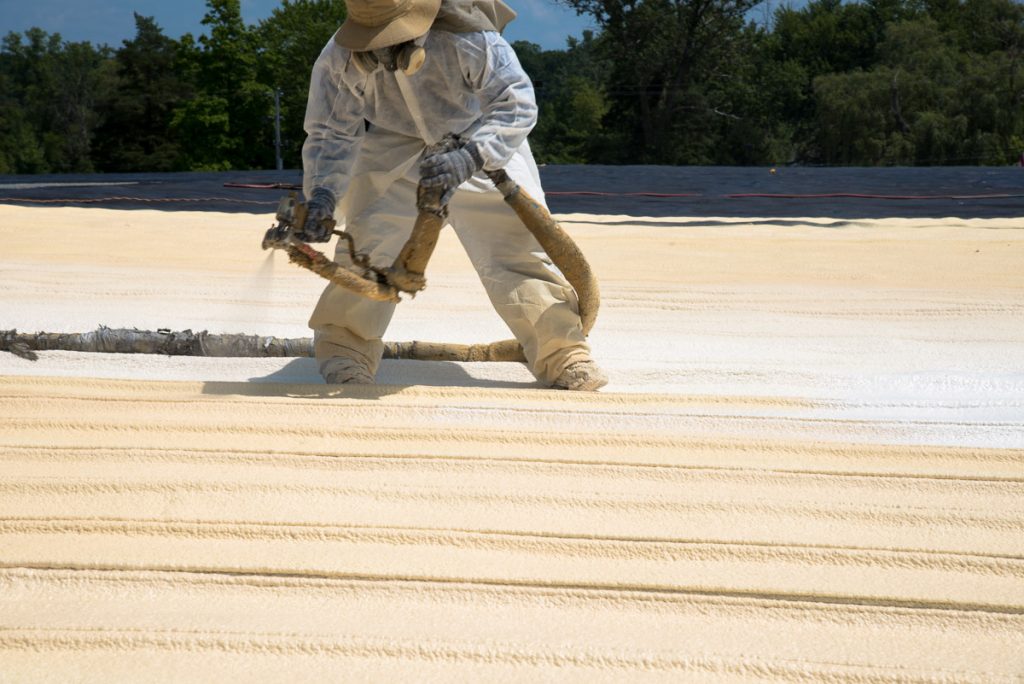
{"x":362,"y":317}
{"x":382,"y":229}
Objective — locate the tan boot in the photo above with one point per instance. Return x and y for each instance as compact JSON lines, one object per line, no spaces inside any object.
{"x":343,"y":371}
{"x":582,"y":376}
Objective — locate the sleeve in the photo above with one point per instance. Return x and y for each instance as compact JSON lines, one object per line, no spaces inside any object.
{"x":334,"y":125}
{"x":508,"y":107}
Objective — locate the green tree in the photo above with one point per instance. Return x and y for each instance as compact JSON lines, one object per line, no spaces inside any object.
{"x":855,"y":121}
{"x":20,"y":150}
{"x":571,"y":100}
{"x":924,"y":71}
{"x":766,"y":98}
{"x":227,"y":123}
{"x":829,"y":36}
{"x":136,"y":133}
{"x":926,"y":101}
{"x":290,"y":40}
{"x":51,"y":95}
{"x":821,"y":38}
{"x":666,"y":57}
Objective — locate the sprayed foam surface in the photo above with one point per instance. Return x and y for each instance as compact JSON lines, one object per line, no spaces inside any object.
{"x":808,"y":466}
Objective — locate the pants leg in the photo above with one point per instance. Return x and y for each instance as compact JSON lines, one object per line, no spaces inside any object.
{"x":525,"y":288}
{"x":380,"y":212}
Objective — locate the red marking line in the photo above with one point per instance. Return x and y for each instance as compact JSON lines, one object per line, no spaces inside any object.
{"x":98,"y":200}
{"x":826,"y":195}
{"x":264,"y":186}
{"x":625,"y":194}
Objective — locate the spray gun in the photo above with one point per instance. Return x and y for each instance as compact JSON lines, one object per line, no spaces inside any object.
{"x":291,"y":216}
{"x":406,"y":275}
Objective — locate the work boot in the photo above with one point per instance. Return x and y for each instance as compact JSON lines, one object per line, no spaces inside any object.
{"x":582,"y":376}
{"x":342,"y":371}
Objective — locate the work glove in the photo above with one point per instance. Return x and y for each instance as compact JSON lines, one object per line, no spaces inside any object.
{"x":319,"y":224}
{"x":446,"y":171}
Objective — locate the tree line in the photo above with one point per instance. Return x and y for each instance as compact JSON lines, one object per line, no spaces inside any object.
{"x":160,"y":104}
{"x":877,"y":82}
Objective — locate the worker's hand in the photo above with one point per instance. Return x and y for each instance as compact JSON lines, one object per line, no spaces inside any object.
{"x":319,"y":217}
{"x":448,"y":170}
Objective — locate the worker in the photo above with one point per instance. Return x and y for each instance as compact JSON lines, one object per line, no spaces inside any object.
{"x":396,"y":78}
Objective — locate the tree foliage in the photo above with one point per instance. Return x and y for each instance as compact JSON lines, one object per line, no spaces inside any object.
{"x":667,"y":60}
{"x":924,"y":101}
{"x":50,"y":102}
{"x":571,"y":97}
{"x":158,"y":103}
{"x":290,"y":40}
{"x":226,"y":121}
{"x":660,"y":81}
{"x":135,"y":134}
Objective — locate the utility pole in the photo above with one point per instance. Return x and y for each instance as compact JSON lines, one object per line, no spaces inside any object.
{"x":277,"y":128}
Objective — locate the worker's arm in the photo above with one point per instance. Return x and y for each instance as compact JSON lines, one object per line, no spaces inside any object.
{"x":508,"y":112}
{"x":334,"y":123}
{"x":508,"y":107}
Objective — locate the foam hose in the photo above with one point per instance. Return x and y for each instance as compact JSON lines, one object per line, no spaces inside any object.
{"x":303,"y":255}
{"x":408,"y":273}
{"x":561,"y":248}
{"x":188,"y":343}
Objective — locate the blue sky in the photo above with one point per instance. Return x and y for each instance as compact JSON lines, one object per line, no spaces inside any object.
{"x":110,"y":21}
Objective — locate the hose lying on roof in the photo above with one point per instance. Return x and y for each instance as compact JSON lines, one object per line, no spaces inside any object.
{"x":187,"y":343}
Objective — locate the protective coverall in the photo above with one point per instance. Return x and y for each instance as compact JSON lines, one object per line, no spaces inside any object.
{"x":367,"y":133}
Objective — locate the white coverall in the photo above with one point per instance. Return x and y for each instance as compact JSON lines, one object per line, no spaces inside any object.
{"x":471,"y":84}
